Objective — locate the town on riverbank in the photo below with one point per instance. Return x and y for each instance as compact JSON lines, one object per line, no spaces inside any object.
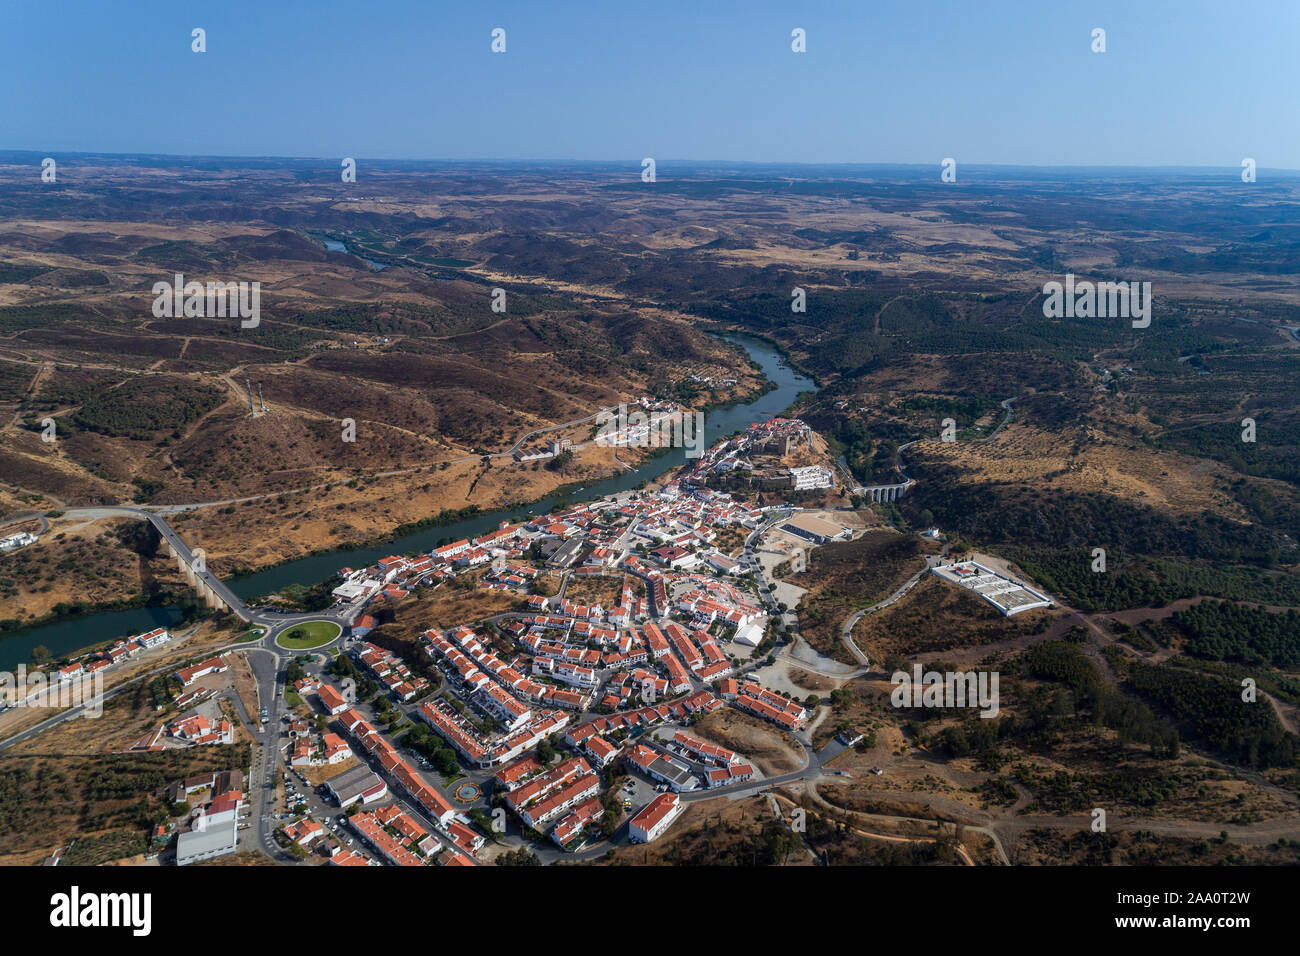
{"x":636,"y":620}
{"x":640,"y":638}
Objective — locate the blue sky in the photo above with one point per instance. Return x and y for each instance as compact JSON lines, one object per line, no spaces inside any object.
{"x":1183,"y":83}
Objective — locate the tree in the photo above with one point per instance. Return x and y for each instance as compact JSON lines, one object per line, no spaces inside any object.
{"x":955,"y":741}
{"x":445,"y":762}
{"x":520,"y":857}
{"x":41,"y":654}
{"x":609,"y":823}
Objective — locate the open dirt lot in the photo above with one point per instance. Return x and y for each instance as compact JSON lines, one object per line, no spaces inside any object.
{"x":773,"y":751}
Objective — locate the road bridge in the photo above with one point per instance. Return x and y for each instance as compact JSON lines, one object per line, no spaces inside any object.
{"x":215,"y":594}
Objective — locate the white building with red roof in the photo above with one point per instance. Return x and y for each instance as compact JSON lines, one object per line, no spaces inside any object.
{"x":655,"y":818}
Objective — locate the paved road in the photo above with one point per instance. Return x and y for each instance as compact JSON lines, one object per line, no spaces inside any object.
{"x":267,"y":661}
{"x":847,"y":634}
{"x":75,"y":712}
{"x":1006,"y":419}
{"x":267,"y":666}
{"x":1006,"y":404}
{"x":236,"y":604}
{"x":812,"y":768}
{"x":747,"y":555}
{"x":146,"y":510}
{"x":820,"y":664}
{"x":271,"y":619}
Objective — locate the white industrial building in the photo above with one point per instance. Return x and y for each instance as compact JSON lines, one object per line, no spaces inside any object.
{"x":1006,"y":594}
{"x":206,"y":844}
{"x":16,"y":541}
{"x":813,"y":476}
{"x":657,"y":816}
{"x":751,"y":634}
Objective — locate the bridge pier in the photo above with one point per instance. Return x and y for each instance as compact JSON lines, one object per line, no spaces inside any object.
{"x":883,"y":493}
{"x":196,"y":581}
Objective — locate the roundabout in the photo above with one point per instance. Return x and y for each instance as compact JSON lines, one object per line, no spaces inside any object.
{"x":308,"y":635}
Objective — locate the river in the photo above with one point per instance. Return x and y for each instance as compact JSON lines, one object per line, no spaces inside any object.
{"x":333,"y":245}
{"x":65,"y":637}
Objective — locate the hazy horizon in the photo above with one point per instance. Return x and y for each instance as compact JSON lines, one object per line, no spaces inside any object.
{"x":1180,"y":84}
{"x":664,"y":163}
